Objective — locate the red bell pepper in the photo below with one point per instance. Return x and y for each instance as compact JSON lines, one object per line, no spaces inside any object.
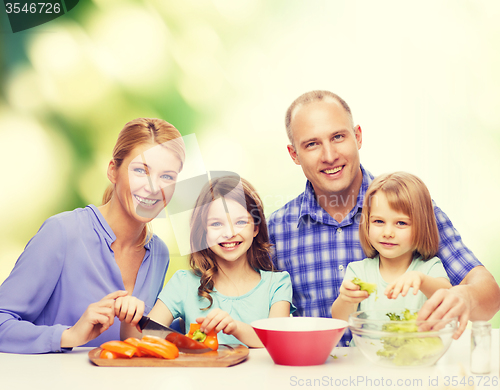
{"x":209,"y":339}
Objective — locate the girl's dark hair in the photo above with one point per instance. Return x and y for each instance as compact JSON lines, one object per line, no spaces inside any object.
{"x":203,"y":261}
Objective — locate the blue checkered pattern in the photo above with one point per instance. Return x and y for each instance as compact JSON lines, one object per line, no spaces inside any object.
{"x":315,"y":249}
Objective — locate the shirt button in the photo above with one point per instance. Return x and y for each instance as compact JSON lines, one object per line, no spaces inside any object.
{"x":341,"y":267}
{"x":347,"y":343}
{"x":339,"y":230}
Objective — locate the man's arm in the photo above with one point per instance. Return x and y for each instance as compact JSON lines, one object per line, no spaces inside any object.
{"x":477,"y":297}
{"x":484,"y":293}
{"x":475,"y":294}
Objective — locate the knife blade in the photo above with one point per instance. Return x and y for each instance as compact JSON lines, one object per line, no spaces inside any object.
{"x":184,"y":343}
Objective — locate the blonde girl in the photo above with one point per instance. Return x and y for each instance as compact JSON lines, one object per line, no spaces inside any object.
{"x":399,"y":236}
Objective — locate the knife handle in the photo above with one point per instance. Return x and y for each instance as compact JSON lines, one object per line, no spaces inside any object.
{"x":143,"y":322}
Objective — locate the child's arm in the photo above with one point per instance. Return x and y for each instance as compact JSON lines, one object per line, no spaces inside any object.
{"x":221,"y":321}
{"x":160,"y":313}
{"x":419,"y":281}
{"x":280,"y":309}
{"x":347,"y":301}
{"x":246,"y":334}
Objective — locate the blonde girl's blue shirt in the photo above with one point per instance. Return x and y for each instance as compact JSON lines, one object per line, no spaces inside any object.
{"x":368,"y":271}
{"x":181,"y":297}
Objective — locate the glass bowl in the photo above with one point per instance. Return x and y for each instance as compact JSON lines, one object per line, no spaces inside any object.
{"x":400,"y":343}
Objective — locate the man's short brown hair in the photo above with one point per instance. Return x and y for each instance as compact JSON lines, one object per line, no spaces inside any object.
{"x":310,"y":97}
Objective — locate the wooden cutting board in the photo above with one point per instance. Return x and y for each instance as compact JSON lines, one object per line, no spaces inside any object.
{"x":225,"y":356}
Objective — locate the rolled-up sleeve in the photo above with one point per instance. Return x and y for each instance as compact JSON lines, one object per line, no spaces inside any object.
{"x":458,"y":259}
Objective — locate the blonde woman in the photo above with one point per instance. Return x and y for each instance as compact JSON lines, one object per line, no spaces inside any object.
{"x":85,"y":266}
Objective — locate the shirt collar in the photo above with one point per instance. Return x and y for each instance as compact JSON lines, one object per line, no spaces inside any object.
{"x":101,"y":223}
{"x":309,"y":207}
{"x":365,"y":183}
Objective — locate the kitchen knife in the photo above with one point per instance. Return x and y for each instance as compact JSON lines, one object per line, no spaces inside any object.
{"x":184,"y":343}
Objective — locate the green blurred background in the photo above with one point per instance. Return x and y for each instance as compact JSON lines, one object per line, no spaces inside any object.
{"x":421,"y":78}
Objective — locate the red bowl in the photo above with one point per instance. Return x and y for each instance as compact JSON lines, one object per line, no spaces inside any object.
{"x":299,"y":341}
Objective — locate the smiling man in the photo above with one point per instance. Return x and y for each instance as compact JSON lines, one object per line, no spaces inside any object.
{"x":315,"y":236}
{"x":325,"y":143}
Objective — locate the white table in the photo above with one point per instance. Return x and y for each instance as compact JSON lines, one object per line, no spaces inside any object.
{"x":351,"y":370}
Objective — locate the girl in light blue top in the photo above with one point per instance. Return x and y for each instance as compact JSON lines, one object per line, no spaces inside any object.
{"x":232,"y":281}
{"x":398,"y":233}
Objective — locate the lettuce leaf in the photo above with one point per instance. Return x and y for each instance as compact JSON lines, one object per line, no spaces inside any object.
{"x":364,"y":286}
{"x":404,"y":350}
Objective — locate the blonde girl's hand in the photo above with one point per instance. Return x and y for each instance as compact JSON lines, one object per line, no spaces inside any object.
{"x":219,"y":320}
{"x":129,"y":309}
{"x":403,"y":283}
{"x":351,"y":293}
{"x":96,"y":319}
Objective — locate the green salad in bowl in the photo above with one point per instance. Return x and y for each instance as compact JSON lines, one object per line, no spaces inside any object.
{"x":394,"y":339}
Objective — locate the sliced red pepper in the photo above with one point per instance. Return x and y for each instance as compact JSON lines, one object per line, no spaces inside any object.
{"x":208,"y":339}
{"x":120,"y":347}
{"x":158,"y":350}
{"x":165,"y":343}
{"x":134,"y":341}
{"x":105,"y":354}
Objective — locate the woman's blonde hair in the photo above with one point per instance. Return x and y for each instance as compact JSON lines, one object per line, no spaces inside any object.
{"x":203,"y":262}
{"x":406,"y":194}
{"x":144,"y":131}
